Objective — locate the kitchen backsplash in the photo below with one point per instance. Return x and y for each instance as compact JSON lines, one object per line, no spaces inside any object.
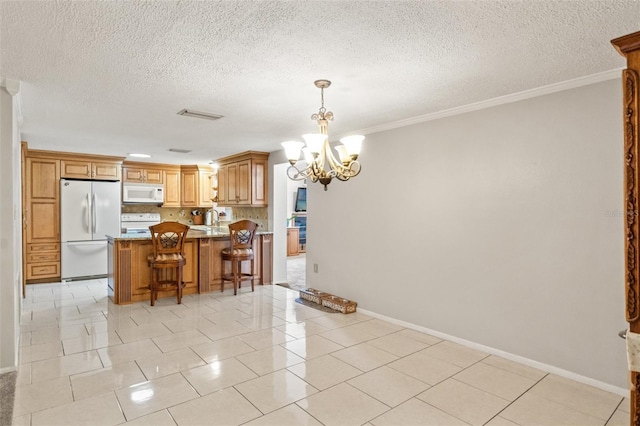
{"x":258,"y":215}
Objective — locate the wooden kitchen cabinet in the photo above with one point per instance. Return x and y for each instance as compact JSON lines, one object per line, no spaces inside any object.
{"x":142,"y":173}
{"x":129,"y":273}
{"x":265,"y":261}
{"x":210,"y":278}
{"x":87,"y":169}
{"x":293,"y":241}
{"x":206,"y":188}
{"x":196,"y":186}
{"x":189,"y":186}
{"x":41,"y":173}
{"x":41,"y":219}
{"x":171,"y":187}
{"x":223,"y":178}
{"x":242,"y":180}
{"x":43,"y":261}
{"x":42,"y":200}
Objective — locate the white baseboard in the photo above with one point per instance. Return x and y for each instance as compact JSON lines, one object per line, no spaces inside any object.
{"x":522,"y":360}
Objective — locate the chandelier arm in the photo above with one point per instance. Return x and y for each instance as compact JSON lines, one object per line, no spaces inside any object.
{"x":294,"y":173}
{"x":347,"y":173}
{"x":344,"y":172}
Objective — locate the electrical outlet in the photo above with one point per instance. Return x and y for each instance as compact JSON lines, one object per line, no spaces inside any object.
{"x":315,"y":268}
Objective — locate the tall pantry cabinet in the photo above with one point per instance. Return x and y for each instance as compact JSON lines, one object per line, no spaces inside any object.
{"x":41,"y":218}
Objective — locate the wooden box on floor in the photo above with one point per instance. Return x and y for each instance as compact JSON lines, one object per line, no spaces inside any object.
{"x":339,"y":304}
{"x":313,"y":295}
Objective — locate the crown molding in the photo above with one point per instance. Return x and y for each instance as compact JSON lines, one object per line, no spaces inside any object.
{"x":12,"y":86}
{"x":501,"y":100}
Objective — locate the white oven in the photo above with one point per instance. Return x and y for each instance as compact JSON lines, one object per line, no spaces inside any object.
{"x":142,"y":193}
{"x":138,"y":223}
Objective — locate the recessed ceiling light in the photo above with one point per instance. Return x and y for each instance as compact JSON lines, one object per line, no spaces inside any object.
{"x":139,"y":155}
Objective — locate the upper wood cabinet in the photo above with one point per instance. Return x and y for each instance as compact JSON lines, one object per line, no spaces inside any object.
{"x":206,"y":188}
{"x":87,"y":169}
{"x":196,"y":183}
{"x":171,"y":187}
{"x":242,"y":180}
{"x":42,"y":200}
{"x":142,"y":174}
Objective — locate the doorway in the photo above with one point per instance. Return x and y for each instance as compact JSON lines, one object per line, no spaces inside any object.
{"x":287,"y":270}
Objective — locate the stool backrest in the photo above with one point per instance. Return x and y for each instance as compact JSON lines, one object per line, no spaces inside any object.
{"x":168,"y":237}
{"x":241,"y":234}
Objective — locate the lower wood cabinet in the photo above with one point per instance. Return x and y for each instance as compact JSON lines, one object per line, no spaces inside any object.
{"x":211,"y":264}
{"x":129,"y":271}
{"x":42,"y":261}
{"x":129,"y":274}
{"x":293,"y":241}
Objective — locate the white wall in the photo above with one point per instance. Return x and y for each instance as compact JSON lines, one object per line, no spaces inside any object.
{"x":501,"y":226}
{"x":277,"y":213}
{"x":10,"y":227}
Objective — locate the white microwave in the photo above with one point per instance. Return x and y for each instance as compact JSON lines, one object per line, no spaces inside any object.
{"x":142,"y":193}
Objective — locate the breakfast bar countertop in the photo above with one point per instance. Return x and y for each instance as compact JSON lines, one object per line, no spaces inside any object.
{"x":129,"y":275}
{"x":196,"y":231}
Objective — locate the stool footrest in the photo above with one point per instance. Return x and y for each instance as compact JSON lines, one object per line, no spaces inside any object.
{"x":243,"y":277}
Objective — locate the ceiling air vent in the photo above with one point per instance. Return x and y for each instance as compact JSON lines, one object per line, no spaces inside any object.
{"x":199,"y":114}
{"x":181,"y":151}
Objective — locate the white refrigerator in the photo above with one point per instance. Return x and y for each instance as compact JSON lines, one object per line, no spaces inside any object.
{"x":89,"y":210}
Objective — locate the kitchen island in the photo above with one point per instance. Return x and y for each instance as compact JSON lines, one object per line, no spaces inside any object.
{"x":129,"y":275}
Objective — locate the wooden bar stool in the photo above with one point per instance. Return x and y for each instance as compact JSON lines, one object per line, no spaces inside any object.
{"x":241,"y":249}
{"x":167,"y":259}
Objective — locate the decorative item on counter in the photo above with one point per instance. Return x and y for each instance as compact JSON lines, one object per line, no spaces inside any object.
{"x":197,"y":217}
{"x":222,"y":216}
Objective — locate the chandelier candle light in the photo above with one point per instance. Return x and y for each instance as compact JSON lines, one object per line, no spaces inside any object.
{"x":321,"y":165}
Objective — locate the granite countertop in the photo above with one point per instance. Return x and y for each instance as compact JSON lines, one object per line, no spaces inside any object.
{"x":195,"y":231}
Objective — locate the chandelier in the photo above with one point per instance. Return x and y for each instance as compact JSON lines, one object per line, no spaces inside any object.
{"x":320,"y":163}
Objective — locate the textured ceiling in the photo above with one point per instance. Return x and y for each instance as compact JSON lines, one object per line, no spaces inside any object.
{"x":109,"y":77}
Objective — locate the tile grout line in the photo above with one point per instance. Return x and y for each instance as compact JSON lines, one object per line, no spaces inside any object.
{"x":519,"y":396}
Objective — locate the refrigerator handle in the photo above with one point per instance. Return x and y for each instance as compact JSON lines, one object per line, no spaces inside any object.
{"x":95,"y":213}
{"x":89,"y":209}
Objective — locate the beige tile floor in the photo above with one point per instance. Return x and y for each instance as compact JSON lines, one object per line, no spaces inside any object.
{"x":262,"y":359}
